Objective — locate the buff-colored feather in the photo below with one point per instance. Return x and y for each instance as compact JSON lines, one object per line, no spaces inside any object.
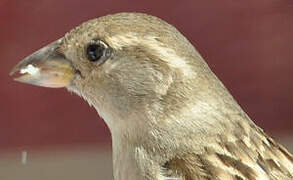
{"x":170,"y":117}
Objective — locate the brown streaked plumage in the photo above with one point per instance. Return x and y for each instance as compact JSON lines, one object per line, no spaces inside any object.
{"x":169,"y":115}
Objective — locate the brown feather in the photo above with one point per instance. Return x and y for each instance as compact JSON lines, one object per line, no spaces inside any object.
{"x":170,"y":117}
{"x":272,"y":160}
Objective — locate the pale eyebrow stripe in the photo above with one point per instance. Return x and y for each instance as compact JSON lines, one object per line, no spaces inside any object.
{"x":169,"y":55}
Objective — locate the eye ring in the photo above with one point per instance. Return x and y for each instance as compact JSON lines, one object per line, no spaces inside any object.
{"x":98,"y":51}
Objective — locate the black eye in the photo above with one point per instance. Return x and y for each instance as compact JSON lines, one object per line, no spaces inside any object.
{"x":98,"y":51}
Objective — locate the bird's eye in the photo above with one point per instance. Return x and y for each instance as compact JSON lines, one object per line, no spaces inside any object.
{"x":97,"y":51}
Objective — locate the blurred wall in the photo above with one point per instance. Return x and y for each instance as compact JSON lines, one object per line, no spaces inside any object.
{"x":247,"y":43}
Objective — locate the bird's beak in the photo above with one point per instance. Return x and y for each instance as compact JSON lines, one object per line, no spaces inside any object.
{"x":47,"y":67}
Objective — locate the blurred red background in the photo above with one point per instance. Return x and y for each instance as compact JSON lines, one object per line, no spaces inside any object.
{"x":248,"y":44}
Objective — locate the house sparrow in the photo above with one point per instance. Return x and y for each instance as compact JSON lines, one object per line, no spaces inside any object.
{"x":170,"y":117}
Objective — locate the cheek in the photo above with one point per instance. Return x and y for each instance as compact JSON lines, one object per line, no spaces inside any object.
{"x":134,"y":82}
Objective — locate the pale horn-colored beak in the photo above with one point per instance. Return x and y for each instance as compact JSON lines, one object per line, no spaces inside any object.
{"x":46,"y":67}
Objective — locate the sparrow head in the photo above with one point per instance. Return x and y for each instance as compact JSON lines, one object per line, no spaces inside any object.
{"x":127,"y":65}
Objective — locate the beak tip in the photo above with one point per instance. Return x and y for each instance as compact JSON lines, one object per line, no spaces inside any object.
{"x":17,"y":67}
{"x":13,"y":71}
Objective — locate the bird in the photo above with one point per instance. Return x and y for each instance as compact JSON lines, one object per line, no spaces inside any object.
{"x":169,"y":115}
